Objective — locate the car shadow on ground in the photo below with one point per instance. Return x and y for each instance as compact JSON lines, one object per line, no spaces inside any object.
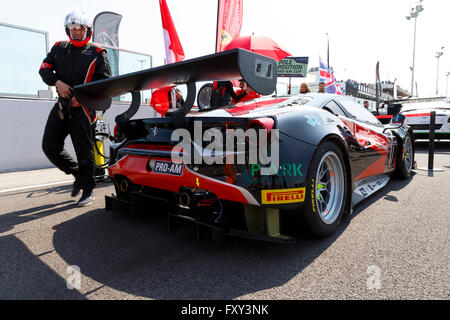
{"x":140,"y":257}
{"x":10,"y":219}
{"x":24,"y":276}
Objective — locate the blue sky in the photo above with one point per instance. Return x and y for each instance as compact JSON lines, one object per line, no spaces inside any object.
{"x":361,"y":32}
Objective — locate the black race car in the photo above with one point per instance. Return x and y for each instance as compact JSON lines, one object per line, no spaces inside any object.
{"x":254,"y":168}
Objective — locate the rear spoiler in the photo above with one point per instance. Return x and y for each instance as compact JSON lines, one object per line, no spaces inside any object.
{"x":260,"y":72}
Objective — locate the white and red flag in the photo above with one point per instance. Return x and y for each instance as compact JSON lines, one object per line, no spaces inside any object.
{"x":174,"y":53}
{"x":174,"y":50}
{"x":229,"y":22}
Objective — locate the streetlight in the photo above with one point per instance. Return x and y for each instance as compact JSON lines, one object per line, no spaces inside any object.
{"x":438,"y":55}
{"x":414,"y":13}
{"x":446,"y":90}
{"x":142,"y":68}
{"x":142,"y":63}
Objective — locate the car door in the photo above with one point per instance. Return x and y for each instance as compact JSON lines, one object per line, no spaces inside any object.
{"x":374,"y":152}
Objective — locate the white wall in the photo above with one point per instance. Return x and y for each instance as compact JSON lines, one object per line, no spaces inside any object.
{"x":22,"y":123}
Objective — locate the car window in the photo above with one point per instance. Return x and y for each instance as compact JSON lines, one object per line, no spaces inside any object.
{"x":358,"y":112}
{"x":334,"y":108}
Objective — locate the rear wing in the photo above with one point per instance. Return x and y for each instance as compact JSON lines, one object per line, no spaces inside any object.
{"x":260,"y":72}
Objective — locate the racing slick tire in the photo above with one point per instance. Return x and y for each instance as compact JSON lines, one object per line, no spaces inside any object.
{"x":405,"y":158}
{"x":326,"y":191}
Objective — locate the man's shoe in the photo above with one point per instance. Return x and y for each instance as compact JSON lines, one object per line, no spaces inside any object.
{"x":86,"y":198}
{"x":75,"y":189}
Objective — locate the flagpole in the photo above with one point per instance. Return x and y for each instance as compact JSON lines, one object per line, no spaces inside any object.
{"x":217,"y":24}
{"x":328,"y":50}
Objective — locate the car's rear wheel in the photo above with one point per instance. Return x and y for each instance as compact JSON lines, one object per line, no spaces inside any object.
{"x":405,"y":158}
{"x":326,"y":190}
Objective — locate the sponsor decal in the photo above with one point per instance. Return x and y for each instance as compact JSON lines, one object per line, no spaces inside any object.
{"x":164,"y":167}
{"x":313,"y":199}
{"x":46,"y":65}
{"x":313,"y":120}
{"x":286,"y":169}
{"x":363,"y":191}
{"x":282,"y":196}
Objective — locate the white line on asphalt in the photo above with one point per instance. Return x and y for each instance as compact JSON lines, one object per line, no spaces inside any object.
{"x":37,"y":186}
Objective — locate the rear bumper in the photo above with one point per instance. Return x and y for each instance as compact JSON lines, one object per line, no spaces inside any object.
{"x":135,"y":168}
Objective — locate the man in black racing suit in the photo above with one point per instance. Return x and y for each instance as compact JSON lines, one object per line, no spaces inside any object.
{"x":70,"y":63}
{"x":223,"y":93}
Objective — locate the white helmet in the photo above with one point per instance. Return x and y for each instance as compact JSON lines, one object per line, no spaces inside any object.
{"x":78,"y":19}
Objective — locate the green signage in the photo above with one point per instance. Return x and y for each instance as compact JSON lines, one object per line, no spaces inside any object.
{"x":293,"y":67}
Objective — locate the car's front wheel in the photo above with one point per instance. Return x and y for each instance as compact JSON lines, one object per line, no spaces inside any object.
{"x":405,"y":158}
{"x":326,"y":190}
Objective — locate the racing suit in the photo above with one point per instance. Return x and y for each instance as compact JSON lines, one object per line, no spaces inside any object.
{"x":73,"y":66}
{"x":222,"y":94}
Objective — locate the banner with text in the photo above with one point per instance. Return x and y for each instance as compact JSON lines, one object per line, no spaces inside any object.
{"x":296,"y":67}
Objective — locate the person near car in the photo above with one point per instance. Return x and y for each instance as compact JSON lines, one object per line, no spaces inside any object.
{"x":321,"y":87}
{"x":245,"y":88}
{"x":223,"y":93}
{"x":71,"y":63}
{"x":304,"y":88}
{"x":366,"y":104}
{"x":178,"y":97}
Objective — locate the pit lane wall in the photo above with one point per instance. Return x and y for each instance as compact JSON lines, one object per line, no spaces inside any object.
{"x":22,"y":123}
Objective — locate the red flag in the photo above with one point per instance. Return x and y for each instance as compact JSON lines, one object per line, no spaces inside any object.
{"x":229,"y":22}
{"x":160,"y":100}
{"x":174,"y":50}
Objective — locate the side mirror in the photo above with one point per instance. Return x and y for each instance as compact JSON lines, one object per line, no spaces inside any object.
{"x":204,"y":96}
{"x":398,"y":119}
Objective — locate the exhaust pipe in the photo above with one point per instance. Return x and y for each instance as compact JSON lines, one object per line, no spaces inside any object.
{"x":195,"y":198}
{"x":124,"y":185}
{"x":185,"y":200}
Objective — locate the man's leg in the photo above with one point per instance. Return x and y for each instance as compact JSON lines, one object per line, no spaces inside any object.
{"x":81,"y":133}
{"x":56,"y":131}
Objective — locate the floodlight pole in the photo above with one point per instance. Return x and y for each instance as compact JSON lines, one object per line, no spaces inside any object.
{"x":414,"y":14}
{"x":414,"y":57}
{"x":438,"y":55}
{"x":446,"y":88}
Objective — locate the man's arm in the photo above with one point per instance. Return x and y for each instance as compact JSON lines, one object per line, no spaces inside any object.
{"x":230,"y":91}
{"x":48,"y":74}
{"x":102,"y":67}
{"x":47,"y":70}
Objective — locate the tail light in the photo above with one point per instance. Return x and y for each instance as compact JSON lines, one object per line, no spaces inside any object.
{"x":118,"y":136}
{"x":260,"y":124}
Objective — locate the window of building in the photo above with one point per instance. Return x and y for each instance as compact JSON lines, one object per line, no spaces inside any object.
{"x":21,"y":53}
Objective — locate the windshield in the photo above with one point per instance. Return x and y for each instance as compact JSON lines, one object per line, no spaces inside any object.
{"x":358,"y":112}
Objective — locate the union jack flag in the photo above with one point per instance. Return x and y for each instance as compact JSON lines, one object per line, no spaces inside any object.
{"x":331,"y":85}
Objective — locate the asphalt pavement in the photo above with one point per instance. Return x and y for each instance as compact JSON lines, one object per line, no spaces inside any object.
{"x":395,"y":246}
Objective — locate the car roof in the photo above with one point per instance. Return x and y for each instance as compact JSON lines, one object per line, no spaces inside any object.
{"x":444,"y":104}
